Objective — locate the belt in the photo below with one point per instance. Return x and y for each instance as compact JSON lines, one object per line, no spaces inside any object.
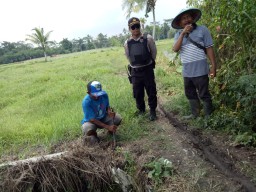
{"x":140,"y":69}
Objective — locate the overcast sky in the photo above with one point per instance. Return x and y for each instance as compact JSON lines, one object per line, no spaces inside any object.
{"x":73,"y":18}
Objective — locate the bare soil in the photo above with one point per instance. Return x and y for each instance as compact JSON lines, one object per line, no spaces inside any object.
{"x":203,"y":160}
{"x":228,"y":167}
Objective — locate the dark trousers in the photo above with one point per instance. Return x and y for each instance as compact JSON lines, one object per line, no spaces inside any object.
{"x":144,"y":79}
{"x":197,"y":87}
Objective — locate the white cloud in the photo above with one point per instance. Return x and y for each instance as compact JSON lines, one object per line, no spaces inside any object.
{"x":72,"y":18}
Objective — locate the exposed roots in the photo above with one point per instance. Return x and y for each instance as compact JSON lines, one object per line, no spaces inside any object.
{"x":85,"y":169}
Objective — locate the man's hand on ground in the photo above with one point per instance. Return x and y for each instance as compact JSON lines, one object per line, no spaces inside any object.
{"x":112,"y":128}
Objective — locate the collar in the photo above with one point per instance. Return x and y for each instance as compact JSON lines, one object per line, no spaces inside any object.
{"x":136,"y":39}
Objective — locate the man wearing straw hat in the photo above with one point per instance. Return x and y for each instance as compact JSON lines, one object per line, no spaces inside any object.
{"x":195,"y":44}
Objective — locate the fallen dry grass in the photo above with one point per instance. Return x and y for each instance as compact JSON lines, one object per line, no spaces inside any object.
{"x":83,"y":169}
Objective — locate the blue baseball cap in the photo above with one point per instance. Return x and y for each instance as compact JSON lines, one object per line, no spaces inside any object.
{"x":95,"y":88}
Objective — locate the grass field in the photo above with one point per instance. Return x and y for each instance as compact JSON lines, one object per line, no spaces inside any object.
{"x":41,"y":101}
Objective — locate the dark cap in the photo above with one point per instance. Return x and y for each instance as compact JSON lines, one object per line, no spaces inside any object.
{"x":132,"y":21}
{"x":95,"y":88}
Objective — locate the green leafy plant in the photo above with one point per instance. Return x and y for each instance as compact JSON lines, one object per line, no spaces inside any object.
{"x":159,"y":170}
{"x":246,"y":139}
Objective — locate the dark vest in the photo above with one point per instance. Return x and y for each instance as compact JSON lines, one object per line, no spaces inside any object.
{"x":138,"y":51}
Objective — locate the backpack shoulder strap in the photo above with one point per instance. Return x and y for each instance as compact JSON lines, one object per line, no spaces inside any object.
{"x":197,"y":44}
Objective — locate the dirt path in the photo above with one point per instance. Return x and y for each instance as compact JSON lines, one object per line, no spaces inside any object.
{"x":222,"y":166}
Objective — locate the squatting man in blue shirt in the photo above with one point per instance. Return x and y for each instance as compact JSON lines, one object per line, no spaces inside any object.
{"x":195,"y":44}
{"x":97,"y":112}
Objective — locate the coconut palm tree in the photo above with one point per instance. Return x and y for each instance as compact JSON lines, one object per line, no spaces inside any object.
{"x":137,"y":6}
{"x":143,"y":21}
{"x":40,"y":39}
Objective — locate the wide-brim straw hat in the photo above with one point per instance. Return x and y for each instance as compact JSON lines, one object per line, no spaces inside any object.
{"x":194,"y":12}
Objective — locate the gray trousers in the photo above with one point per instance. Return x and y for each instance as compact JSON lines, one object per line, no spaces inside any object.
{"x":88,"y":126}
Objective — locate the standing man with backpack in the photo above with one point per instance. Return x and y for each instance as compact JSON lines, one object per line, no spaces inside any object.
{"x":195,"y":44}
{"x":140,"y":50}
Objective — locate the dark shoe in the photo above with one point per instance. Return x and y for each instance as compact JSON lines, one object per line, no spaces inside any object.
{"x":152,"y":116}
{"x":94,"y":140}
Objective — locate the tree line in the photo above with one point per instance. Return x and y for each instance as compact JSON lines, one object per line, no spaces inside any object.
{"x":11,"y":52}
